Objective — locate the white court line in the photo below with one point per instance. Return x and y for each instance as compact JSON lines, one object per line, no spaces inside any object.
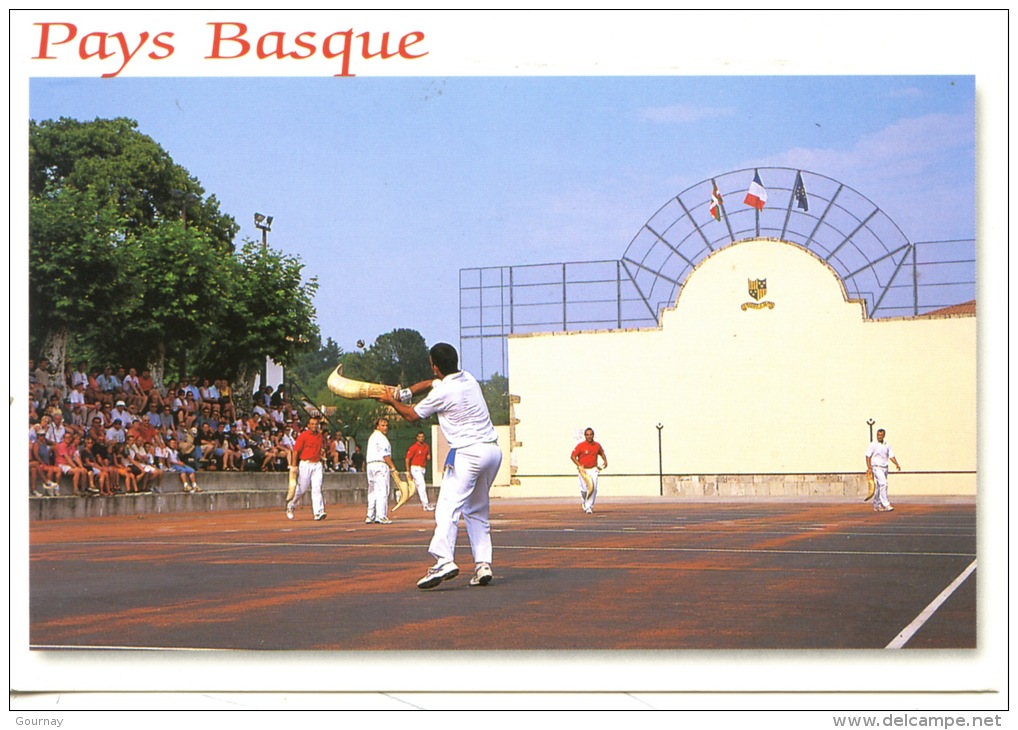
{"x":917,"y":623}
{"x":559,"y":548}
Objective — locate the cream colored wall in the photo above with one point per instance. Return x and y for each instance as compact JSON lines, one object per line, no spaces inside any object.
{"x":787,"y":389}
{"x":440,"y":449}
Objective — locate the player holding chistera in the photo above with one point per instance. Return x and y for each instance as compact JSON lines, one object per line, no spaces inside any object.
{"x":878,"y":457}
{"x":466,"y":424}
{"x":308,"y":451}
{"x":585,"y":456}
{"x":417,"y":457}
{"x":379,"y":464}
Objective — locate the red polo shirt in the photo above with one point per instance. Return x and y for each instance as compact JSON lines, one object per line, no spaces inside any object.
{"x":418,"y":454}
{"x":309,"y":446}
{"x":587,"y":453}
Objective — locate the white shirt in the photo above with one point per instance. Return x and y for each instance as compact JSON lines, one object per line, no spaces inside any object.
{"x":378,"y":447}
{"x":879,"y":454}
{"x":462,"y":413}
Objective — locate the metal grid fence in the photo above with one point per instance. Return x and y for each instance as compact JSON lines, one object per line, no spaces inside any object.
{"x":873,"y":257}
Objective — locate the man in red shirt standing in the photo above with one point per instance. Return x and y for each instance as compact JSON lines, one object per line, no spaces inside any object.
{"x":585,"y":456}
{"x":417,"y":457}
{"x":307,"y":453}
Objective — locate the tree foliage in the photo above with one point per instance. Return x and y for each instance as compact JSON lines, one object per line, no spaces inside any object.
{"x":123,"y":170}
{"x":128,"y":257}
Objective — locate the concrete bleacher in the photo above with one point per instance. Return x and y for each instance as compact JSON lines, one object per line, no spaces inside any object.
{"x":221,"y":491}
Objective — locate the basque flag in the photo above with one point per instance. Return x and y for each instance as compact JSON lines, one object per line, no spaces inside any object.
{"x":757,"y":195}
{"x":715,"y":203}
{"x":799,"y":193}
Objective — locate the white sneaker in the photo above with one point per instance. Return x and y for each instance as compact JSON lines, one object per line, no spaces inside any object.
{"x":383,"y":521}
{"x":319,"y":517}
{"x":289,"y":512}
{"x":437,"y":573}
{"x":428,"y":508}
{"x":369,"y":520}
{"x":482,"y":576}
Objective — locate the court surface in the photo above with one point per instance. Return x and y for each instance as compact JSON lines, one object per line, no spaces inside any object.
{"x":636,"y":574}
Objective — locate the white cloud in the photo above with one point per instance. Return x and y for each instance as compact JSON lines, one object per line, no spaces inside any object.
{"x":915,"y":170}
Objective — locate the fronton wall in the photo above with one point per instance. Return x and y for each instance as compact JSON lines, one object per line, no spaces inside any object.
{"x":771,"y":386}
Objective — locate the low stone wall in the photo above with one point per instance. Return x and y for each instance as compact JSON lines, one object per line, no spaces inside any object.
{"x":221,"y":491}
{"x":765,"y":485}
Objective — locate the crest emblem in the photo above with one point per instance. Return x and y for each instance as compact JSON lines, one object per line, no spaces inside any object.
{"x":757,"y":288}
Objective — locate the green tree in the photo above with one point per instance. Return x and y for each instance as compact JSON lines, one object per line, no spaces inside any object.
{"x":397,"y":357}
{"x":496,"y":396}
{"x":73,"y":244}
{"x":268,"y":311}
{"x":170,"y":298}
{"x":125,"y":170}
{"x":96,"y":190}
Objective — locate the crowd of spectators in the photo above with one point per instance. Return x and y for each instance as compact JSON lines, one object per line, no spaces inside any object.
{"x":110,"y":431}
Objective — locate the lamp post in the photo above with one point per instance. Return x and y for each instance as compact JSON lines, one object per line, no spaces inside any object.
{"x":870,"y":423}
{"x":660,"y":467}
{"x":264,"y":224}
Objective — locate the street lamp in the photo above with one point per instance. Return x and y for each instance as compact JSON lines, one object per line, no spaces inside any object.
{"x":264,"y":224}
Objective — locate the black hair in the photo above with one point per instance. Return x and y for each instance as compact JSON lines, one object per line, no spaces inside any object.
{"x":445,"y":358}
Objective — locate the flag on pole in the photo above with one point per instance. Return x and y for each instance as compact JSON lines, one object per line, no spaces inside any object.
{"x":757,"y":195}
{"x":799,"y":193}
{"x":715,"y":203}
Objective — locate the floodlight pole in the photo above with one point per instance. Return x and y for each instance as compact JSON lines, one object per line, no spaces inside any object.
{"x":660,"y":468}
{"x":870,"y":423}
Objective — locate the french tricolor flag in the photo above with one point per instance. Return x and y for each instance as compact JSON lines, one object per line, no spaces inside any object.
{"x":757,"y":195}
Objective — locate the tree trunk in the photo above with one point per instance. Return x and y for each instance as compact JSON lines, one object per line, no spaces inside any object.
{"x":157,"y":365}
{"x":54,"y":349}
{"x":243,"y":389}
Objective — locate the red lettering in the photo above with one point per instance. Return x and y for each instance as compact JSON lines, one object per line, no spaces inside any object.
{"x":383,"y":52}
{"x":101,"y":51}
{"x":403,"y":44}
{"x":301,"y":43}
{"x":161,"y":41}
{"x":278,"y":52}
{"x":218,"y":38}
{"x":345,"y":53}
{"x":44,"y":41}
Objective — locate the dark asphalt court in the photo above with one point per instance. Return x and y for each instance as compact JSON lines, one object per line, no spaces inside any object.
{"x":634,"y":575}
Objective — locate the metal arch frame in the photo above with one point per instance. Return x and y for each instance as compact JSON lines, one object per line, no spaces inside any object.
{"x":861,"y":212}
{"x":846,"y":230}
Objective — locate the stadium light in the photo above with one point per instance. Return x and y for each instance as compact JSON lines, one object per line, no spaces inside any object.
{"x":264,"y":224}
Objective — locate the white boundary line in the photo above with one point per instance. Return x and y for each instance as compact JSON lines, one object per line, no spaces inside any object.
{"x":556,"y":548}
{"x":909,"y":631}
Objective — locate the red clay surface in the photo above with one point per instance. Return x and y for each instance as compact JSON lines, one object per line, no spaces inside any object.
{"x":634,"y":575}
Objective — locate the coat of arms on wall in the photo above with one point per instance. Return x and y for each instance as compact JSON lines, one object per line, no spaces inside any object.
{"x":757,"y":290}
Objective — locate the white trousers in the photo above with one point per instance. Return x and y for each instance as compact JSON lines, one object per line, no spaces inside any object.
{"x":588,"y":497}
{"x":378,"y":490}
{"x":880,"y":481}
{"x":309,"y":474}
{"x":417,"y":474}
{"x":464,"y":491}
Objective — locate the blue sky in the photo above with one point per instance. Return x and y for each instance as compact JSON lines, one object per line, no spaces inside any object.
{"x":386,"y":187}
